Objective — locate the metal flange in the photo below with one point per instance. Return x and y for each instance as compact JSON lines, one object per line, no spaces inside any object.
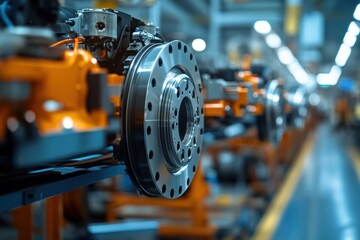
{"x":162,"y":119}
{"x":275,"y":117}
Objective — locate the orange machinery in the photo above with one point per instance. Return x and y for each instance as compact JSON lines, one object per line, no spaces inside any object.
{"x":59,"y":103}
{"x":47,"y":102}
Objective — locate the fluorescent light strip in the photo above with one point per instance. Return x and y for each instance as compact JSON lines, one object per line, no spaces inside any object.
{"x":331,"y":78}
{"x":273,"y":40}
{"x":354,"y":28}
{"x":349,"y":39}
{"x":342,"y":55}
{"x":357,"y":12}
{"x":285,"y":55}
{"x":262,"y":27}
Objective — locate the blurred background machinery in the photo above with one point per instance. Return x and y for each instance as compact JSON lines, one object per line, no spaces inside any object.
{"x":157,"y":119}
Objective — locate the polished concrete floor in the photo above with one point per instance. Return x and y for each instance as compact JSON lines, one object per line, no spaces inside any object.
{"x":325,"y":203}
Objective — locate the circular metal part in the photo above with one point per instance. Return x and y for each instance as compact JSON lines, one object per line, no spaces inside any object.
{"x":96,"y":23}
{"x":297,"y":99}
{"x":275,"y":118}
{"x":162,"y":119}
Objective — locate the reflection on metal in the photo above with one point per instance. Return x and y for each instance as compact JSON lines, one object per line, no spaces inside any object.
{"x":163,"y":119}
{"x":95,"y":23}
{"x":274,"y":111}
{"x":297,"y":98}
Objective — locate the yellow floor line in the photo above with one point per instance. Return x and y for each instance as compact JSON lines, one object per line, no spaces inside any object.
{"x":355,"y":158}
{"x":271,"y":218}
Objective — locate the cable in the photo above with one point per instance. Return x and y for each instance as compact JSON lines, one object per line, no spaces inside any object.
{"x":3,"y":15}
{"x":76,"y":42}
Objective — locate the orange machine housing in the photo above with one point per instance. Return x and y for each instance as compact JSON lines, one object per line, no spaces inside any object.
{"x":63,"y":81}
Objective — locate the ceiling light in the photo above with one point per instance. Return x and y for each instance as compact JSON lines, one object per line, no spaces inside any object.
{"x":331,"y":78}
{"x":273,"y":40}
{"x":335,"y":72}
{"x":262,"y":27}
{"x":300,"y":75}
{"x":198,"y":45}
{"x":357,"y":12}
{"x":285,"y":55}
{"x":353,"y":28}
{"x":342,"y":55}
{"x":349,"y":39}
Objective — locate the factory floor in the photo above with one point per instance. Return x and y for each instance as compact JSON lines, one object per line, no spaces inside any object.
{"x":320,"y":198}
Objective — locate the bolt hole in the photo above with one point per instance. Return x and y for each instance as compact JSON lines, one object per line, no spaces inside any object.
{"x":185,"y":49}
{"x":148,"y":130}
{"x":150,"y":106}
{"x":189,"y":153}
{"x":100,"y":26}
{"x":180,"y":189}
{"x":160,"y":62}
{"x":178,"y":92}
{"x":188,"y":181}
{"x":175,"y":112}
{"x":201,"y":131}
{"x":172,"y":193}
{"x":151,"y":154}
{"x":193,"y":94}
{"x":163,"y":190}
{"x":179,"y":45}
{"x":194,"y":140}
{"x":196,"y":68}
{"x":157,"y":176}
{"x":191,"y":57}
{"x":198,"y":150}
{"x":153,"y":82}
{"x":178,"y":145}
{"x":187,"y":86}
{"x":170,"y":49}
{"x":194,"y":168}
{"x":182,"y":155}
{"x":173,"y":126}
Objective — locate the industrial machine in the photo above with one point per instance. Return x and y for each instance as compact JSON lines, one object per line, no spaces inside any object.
{"x":109,"y":82}
{"x":247,"y":98}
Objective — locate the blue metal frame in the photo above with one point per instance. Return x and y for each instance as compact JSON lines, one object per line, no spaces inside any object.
{"x":41,"y":184}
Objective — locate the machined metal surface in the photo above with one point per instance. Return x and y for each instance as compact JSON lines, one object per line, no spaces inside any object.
{"x":96,"y":23}
{"x":162,"y":119}
{"x":297,"y":99}
{"x":274,"y":111}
